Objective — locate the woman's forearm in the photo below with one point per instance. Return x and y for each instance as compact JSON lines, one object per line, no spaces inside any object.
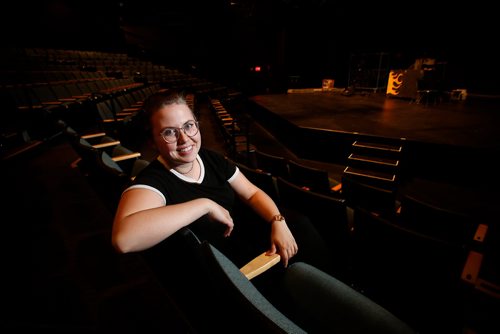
{"x":146,"y":228}
{"x":263,"y":205}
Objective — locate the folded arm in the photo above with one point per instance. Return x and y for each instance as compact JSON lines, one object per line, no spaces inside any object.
{"x":142,"y":220}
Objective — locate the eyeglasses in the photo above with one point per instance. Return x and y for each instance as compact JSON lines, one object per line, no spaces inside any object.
{"x":171,"y":135}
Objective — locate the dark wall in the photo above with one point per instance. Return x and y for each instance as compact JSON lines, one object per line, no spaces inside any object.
{"x":308,"y":39}
{"x":79,"y":25}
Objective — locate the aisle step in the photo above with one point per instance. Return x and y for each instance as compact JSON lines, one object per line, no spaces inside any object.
{"x":370,"y":174}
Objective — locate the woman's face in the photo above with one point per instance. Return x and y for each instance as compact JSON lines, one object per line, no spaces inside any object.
{"x":185,"y":149}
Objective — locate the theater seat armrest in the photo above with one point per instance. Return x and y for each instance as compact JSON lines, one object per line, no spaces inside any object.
{"x":126,"y":156}
{"x":108,"y":144}
{"x":471,"y":275}
{"x":337,"y":188}
{"x":259,"y":265}
{"x":93,"y":135}
{"x":121,"y":114}
{"x":130,"y":110}
{"x":481,"y":231}
{"x":470,"y":272}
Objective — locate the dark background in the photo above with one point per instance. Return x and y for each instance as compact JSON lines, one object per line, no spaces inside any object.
{"x":306,"y":39}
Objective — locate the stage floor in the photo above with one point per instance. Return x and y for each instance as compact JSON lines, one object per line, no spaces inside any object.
{"x":462,"y":123}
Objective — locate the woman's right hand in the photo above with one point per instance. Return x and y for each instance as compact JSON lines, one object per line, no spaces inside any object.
{"x":218,"y":213}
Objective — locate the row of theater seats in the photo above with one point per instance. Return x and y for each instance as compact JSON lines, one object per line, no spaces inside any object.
{"x":40,"y":86}
{"x":234,"y":128}
{"x":428,"y":265}
{"x":108,"y":165}
{"x":311,"y":178}
{"x":32,"y":111}
{"x":41,"y":65}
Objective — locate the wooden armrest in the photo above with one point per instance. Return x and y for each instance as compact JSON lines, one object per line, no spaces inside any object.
{"x":337,"y":188}
{"x":36,"y":106}
{"x":470,"y":272}
{"x":126,"y":156}
{"x":481,"y":231}
{"x":93,"y":135}
{"x":109,"y":120}
{"x":259,"y":264}
{"x":472,"y":268}
{"x":51,"y":103}
{"x":130,"y":109}
{"x":108,"y":144}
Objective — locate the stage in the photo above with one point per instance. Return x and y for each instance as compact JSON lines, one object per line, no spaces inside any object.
{"x":450,"y":148}
{"x":445,"y":141}
{"x":471,"y":124}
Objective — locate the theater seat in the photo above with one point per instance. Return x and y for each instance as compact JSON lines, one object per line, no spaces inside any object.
{"x":254,"y":312}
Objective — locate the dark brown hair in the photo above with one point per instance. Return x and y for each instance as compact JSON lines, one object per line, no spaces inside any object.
{"x":161,"y":99}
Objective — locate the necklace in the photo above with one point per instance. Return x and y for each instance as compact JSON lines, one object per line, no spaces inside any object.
{"x":190,"y":169}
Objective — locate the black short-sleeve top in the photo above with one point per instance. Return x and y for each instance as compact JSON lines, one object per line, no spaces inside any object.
{"x":214,"y":183}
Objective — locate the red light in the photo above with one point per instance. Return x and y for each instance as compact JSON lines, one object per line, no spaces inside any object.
{"x":257,"y":68}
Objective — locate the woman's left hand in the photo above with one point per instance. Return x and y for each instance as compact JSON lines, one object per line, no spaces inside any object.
{"x":282,"y":242}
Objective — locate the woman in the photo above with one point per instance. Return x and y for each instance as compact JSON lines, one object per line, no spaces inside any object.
{"x":188,"y":185}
